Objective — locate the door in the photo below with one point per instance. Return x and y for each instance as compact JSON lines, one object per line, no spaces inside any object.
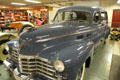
{"x":116,"y":18}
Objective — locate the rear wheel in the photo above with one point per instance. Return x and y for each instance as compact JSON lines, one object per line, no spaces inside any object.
{"x":81,"y":72}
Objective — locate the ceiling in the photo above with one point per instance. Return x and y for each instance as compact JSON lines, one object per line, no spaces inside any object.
{"x":43,"y":2}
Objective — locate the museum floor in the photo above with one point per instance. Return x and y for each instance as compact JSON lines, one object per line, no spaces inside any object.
{"x":101,"y":66}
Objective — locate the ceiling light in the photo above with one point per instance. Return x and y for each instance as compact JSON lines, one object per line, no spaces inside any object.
{"x":3,"y":7}
{"x":32,"y":1}
{"x":53,"y":5}
{"x":14,"y":3}
{"x":118,"y":1}
{"x":21,"y":8}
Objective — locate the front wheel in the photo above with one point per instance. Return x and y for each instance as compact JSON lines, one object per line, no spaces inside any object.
{"x":81,"y":72}
{"x":3,"y":52}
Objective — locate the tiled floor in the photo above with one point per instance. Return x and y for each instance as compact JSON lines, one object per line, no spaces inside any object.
{"x":99,"y":69}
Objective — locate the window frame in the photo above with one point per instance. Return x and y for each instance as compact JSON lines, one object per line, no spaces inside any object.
{"x":106,"y":17}
{"x":96,"y":22}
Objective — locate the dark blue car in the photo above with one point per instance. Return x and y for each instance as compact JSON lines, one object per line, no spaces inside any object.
{"x":62,"y":50}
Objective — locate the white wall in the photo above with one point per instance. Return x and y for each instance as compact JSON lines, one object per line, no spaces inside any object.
{"x":87,"y":3}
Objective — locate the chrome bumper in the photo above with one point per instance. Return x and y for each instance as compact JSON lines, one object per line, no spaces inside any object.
{"x":7,"y":65}
{"x":15,"y":72}
{"x":18,"y":76}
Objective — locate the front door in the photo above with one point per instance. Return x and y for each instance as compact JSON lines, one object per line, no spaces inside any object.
{"x":116,"y":18}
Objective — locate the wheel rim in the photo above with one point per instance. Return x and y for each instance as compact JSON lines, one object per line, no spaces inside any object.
{"x":81,"y":73}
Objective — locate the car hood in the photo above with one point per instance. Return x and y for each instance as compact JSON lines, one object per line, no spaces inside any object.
{"x":52,"y":30}
{"x":50,"y":38}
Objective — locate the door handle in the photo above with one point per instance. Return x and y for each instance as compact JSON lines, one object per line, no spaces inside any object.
{"x":79,"y":36}
{"x":89,"y":34}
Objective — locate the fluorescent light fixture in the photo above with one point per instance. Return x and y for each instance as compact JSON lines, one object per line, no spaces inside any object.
{"x":118,"y":1}
{"x":3,"y":7}
{"x":33,"y":1}
{"x":14,"y":3}
{"x":53,"y":5}
{"x":94,"y":7}
{"x":21,"y":8}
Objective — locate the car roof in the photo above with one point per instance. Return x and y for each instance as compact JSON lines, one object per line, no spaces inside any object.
{"x":81,"y":8}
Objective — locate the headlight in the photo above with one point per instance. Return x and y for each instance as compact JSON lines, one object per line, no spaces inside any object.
{"x":59,"y":66}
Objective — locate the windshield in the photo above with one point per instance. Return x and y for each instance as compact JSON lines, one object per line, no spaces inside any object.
{"x":80,"y":16}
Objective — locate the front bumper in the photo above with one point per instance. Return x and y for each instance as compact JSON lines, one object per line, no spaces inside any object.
{"x":14,"y":71}
{"x":17,"y":75}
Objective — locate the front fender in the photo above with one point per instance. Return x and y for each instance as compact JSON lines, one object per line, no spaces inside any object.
{"x":8,"y":37}
{"x":3,"y":39}
{"x":74,"y":56}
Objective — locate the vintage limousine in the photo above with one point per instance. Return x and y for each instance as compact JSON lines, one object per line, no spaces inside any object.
{"x":62,"y":50}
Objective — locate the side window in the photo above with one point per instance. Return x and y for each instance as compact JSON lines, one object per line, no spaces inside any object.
{"x":67,"y":16}
{"x":59,"y":17}
{"x":97,"y":17}
{"x":70,"y":16}
{"x":104,"y":17}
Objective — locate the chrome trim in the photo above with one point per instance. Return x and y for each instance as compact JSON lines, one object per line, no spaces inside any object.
{"x":39,"y":65}
{"x":14,"y":55}
{"x":57,"y":37}
{"x":7,"y":64}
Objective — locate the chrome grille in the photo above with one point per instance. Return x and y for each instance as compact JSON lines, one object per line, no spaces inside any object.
{"x":42,"y":66}
{"x":14,"y":55}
